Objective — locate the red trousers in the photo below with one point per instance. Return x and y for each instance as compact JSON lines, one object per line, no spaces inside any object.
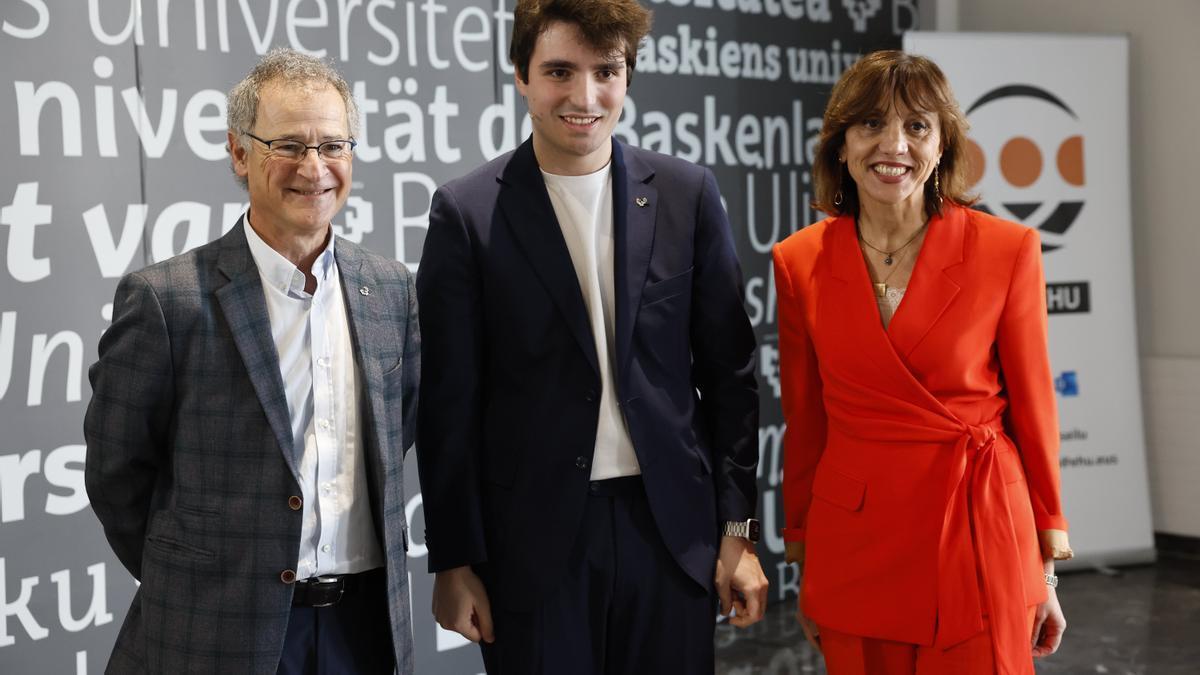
{"x":847,"y":654}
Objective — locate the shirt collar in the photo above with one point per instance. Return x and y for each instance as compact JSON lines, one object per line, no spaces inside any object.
{"x":279,"y":272}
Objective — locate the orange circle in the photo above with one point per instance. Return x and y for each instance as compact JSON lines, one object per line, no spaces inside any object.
{"x":975,"y":163}
{"x":1021,"y":161}
{"x":1070,"y":160}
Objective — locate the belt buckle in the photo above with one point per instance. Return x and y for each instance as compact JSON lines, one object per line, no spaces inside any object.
{"x":324,"y":582}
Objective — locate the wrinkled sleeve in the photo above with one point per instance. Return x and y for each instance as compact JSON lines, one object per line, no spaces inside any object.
{"x":449,"y":413}
{"x":1032,"y":416}
{"x":723,"y":353}
{"x":128,"y":417}
{"x":803,"y":408}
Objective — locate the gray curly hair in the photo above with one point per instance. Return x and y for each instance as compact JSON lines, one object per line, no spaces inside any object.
{"x":287,"y":66}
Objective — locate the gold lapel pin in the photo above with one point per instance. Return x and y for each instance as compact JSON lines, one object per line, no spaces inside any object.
{"x":364,"y":290}
{"x":642,"y":201}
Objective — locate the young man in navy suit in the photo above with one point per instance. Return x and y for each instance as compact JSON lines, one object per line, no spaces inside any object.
{"x":588,"y":426}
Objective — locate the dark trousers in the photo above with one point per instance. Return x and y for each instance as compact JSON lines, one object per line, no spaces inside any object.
{"x":624,"y":608}
{"x":352,"y":636}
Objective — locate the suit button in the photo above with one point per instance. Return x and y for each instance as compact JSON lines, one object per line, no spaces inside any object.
{"x":287,"y":576}
{"x":294,"y":503}
{"x":581,"y":462}
{"x":590,"y":395}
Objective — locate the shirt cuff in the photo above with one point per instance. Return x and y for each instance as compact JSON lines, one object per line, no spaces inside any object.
{"x":1055,"y":545}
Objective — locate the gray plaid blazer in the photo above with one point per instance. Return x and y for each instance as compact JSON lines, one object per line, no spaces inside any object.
{"x":190,"y":460}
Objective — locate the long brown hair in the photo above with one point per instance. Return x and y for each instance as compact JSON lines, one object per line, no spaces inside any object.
{"x":875,"y":82}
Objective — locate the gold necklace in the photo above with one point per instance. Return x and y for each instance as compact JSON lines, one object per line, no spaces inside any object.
{"x":881,"y":287}
{"x":888,"y":255}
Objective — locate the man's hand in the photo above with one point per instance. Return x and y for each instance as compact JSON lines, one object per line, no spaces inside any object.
{"x":1048,"y":627}
{"x":740,"y":582}
{"x":460,"y":604}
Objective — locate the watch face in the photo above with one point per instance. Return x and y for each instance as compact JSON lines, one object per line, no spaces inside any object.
{"x":753,"y":534}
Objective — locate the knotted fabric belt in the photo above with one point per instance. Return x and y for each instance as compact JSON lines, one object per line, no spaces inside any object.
{"x":978,"y":544}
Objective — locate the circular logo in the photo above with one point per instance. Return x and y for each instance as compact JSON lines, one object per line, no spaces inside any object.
{"x":1025,"y":156}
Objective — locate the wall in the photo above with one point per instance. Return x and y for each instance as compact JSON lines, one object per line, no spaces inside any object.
{"x":1165,"y":94}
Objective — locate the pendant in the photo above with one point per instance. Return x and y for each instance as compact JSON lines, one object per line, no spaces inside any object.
{"x":887,"y":260}
{"x":881,"y":290}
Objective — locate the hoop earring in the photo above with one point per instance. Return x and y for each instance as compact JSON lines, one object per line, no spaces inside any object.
{"x":838,"y":198}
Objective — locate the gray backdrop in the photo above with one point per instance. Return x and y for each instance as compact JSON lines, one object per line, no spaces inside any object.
{"x":115,"y":158}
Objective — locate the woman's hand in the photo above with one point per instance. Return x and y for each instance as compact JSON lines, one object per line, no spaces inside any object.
{"x":794,"y":553}
{"x":811,"y":632}
{"x":1048,"y":627}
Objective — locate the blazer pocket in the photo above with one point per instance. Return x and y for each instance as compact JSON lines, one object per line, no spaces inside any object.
{"x":392,"y":369}
{"x":197,"y":511}
{"x":667,"y":288}
{"x":839,"y":489}
{"x":177,"y":549}
{"x":165,"y":538}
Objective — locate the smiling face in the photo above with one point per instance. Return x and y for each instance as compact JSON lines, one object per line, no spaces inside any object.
{"x":575,"y":95}
{"x":890,"y":154}
{"x":294,"y":199}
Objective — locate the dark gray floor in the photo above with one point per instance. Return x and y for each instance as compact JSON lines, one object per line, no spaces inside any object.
{"x":1138,"y":621}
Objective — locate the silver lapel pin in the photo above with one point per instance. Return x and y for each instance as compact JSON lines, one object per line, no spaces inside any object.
{"x":364,"y":290}
{"x":642,"y":201}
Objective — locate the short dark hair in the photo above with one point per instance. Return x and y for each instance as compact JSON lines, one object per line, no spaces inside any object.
{"x":875,"y":83}
{"x":606,"y":25}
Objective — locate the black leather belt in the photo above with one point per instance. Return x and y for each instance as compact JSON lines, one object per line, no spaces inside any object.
{"x":329,"y":590}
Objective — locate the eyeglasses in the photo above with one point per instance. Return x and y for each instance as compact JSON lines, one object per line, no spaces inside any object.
{"x":295,"y":150}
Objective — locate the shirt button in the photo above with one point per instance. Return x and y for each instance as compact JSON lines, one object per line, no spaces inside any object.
{"x":324,"y":424}
{"x":325,"y":548}
{"x":323,"y":362}
{"x":288,"y":576}
{"x":294,"y":503}
{"x":581,"y":462}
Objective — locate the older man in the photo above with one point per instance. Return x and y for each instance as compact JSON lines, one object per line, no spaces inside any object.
{"x":251,"y":408}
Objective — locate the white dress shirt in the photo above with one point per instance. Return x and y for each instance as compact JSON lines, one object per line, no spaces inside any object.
{"x":583,"y":206}
{"x":337,"y":534}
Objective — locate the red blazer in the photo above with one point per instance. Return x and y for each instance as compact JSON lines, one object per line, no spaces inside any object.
{"x":911,"y":438}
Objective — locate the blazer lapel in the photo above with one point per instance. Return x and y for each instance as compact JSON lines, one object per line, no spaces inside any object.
{"x":930,"y":289}
{"x":245,"y":311}
{"x":635,"y":211}
{"x":852,"y":323}
{"x":852,"y":300}
{"x":526,"y":206}
{"x":367,"y":333}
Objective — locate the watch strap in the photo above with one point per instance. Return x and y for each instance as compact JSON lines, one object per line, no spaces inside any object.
{"x":746,"y":529}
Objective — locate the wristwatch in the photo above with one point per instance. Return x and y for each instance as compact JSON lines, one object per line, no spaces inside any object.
{"x":1051,"y":580}
{"x":746,"y":529}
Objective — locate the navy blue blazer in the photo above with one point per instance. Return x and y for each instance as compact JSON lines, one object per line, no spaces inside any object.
{"x":509,"y":404}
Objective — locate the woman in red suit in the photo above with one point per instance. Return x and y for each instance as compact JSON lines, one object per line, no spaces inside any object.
{"x":921,"y":481}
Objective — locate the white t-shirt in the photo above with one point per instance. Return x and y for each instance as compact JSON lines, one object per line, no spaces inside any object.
{"x":583,"y":205}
